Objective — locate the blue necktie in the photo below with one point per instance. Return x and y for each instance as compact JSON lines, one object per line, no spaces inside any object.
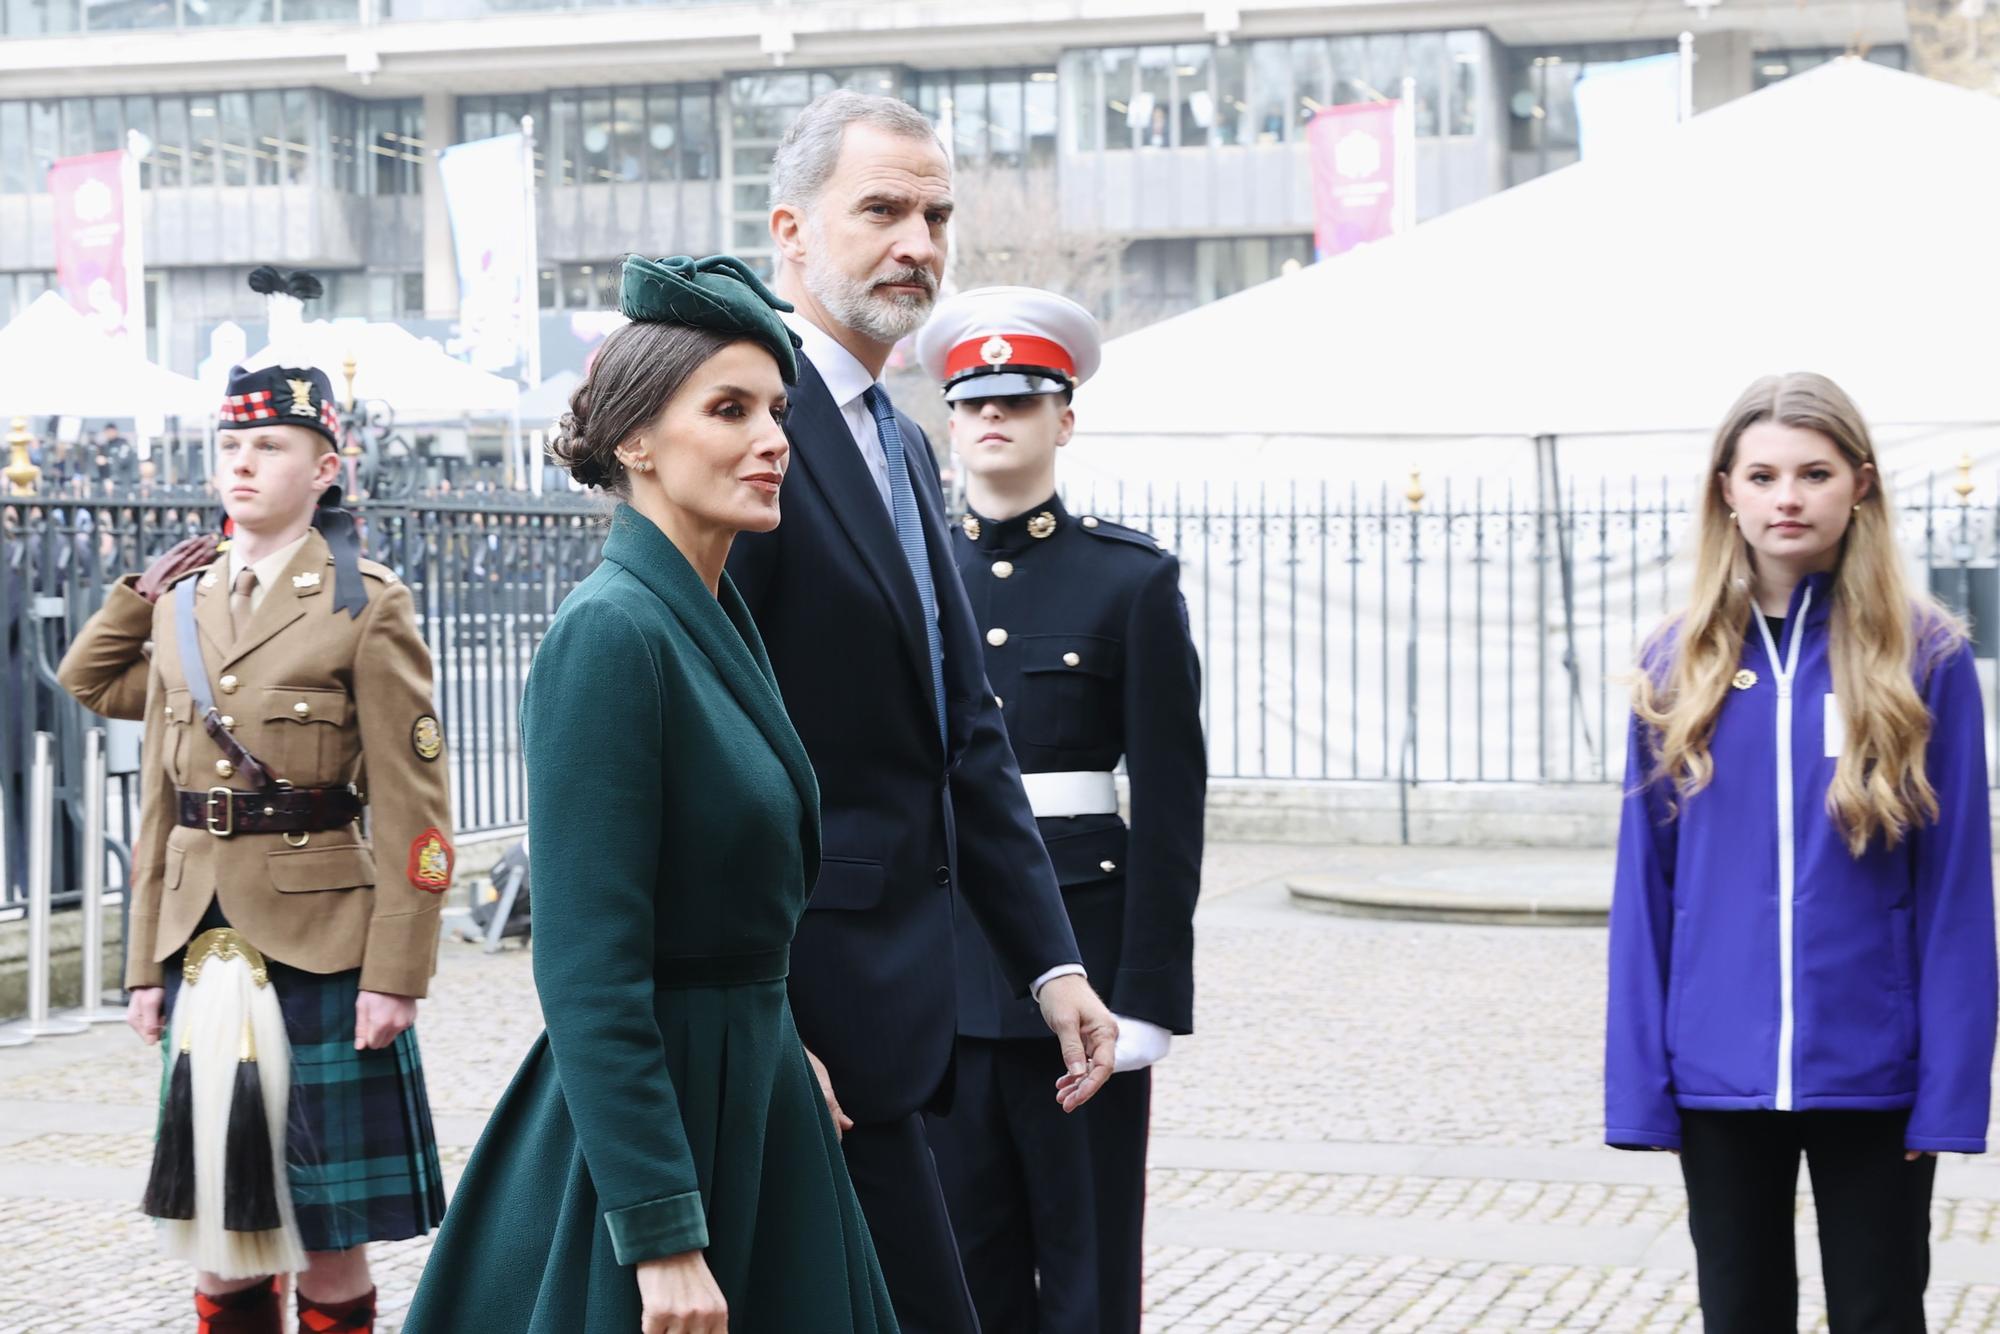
{"x":909,"y":532}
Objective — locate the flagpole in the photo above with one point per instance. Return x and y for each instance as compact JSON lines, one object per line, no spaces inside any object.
{"x":1687,"y":76}
{"x":1406,"y":157}
{"x":531,"y":301}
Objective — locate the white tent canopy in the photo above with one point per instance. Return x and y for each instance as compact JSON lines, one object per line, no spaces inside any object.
{"x":418,"y":379}
{"x":1841,"y":221}
{"x":549,"y":400}
{"x":53,"y":363}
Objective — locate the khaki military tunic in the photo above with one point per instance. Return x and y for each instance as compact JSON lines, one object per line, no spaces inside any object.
{"x":105,"y":666}
{"x":323,"y":700}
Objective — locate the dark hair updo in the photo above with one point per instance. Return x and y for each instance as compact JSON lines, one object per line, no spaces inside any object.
{"x":636,"y":370}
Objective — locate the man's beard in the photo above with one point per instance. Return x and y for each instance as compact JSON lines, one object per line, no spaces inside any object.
{"x":859,"y":306}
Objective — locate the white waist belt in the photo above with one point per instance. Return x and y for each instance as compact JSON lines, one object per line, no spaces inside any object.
{"x":1084,"y":793}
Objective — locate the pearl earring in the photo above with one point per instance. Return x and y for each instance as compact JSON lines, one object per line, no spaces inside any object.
{"x":1732,"y":516}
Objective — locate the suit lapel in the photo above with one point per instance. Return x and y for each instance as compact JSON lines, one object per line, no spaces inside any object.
{"x":639,"y":546}
{"x":211,"y":611}
{"x":825,"y":448}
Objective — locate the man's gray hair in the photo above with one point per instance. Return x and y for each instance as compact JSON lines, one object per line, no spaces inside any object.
{"x":810,"y":149}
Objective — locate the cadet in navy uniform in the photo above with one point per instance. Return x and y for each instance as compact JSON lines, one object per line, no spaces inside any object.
{"x":1087,"y":649}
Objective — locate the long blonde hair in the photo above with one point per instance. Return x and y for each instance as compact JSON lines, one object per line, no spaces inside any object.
{"x":1881,"y":634}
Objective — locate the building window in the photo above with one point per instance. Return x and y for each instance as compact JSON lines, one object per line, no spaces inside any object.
{"x":592,"y":286}
{"x":39,"y":18}
{"x":597,"y":136}
{"x":1266,"y":92}
{"x":1542,"y":103}
{"x":1166,"y":276}
{"x":368,"y":295}
{"x":996,"y":117}
{"x":19,"y":290}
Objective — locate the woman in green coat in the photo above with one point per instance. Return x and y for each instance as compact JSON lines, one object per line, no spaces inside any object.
{"x":664,"y":1161}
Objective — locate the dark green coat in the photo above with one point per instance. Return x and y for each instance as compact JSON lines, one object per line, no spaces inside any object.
{"x":673,"y":834}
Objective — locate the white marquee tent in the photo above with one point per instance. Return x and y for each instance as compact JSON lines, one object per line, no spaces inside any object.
{"x":53,"y":363}
{"x":1841,"y":221}
{"x":416,"y":377}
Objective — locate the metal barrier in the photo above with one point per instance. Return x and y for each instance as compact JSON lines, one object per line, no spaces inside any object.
{"x":1415,"y":638}
{"x":485,"y":570}
{"x":1449,"y":634}
{"x":39,"y":1022}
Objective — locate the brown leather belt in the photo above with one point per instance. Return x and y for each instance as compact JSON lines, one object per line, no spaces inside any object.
{"x":225,"y":811}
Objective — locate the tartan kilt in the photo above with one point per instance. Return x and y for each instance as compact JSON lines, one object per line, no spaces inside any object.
{"x":360,"y":1154}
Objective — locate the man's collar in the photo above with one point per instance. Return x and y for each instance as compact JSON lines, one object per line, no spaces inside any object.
{"x":271,"y":566}
{"x":845,"y":377}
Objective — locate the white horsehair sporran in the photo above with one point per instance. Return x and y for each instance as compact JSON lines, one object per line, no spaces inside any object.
{"x":218,"y":1184}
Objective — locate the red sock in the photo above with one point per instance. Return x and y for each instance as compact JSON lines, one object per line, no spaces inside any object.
{"x":251,"y":1311}
{"x":354,"y":1316}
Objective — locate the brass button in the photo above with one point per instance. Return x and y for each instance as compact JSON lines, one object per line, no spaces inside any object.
{"x":1089,"y":521}
{"x":225,"y":768}
{"x":996,"y":636}
{"x":1107,"y":866}
{"x":228,"y":684}
{"x":170,"y":715}
{"x":1072,"y":660}
{"x":228,"y":721}
{"x":1003,"y":569}
{"x":303,"y":709}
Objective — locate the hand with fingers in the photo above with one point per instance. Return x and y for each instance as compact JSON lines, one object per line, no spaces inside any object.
{"x":842,"y":1122}
{"x":190,"y":553}
{"x":379,"y":1018}
{"x":1089,"y":1037}
{"x":677,"y":1295}
{"x":144,"y":1012}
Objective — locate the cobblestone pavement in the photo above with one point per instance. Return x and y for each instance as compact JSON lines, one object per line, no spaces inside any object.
{"x":1381,"y":1126}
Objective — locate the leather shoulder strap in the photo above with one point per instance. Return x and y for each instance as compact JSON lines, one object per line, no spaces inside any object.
{"x":195,"y":669}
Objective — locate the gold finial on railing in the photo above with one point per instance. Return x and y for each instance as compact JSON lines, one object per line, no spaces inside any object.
{"x":20,"y":471}
{"x":347,"y":369}
{"x":1964,"y":484}
{"x":1415,"y":495}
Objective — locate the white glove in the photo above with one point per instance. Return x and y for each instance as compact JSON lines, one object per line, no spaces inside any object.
{"x":1139,"y":1044}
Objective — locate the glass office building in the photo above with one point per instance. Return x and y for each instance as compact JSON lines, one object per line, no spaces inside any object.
{"x":655,"y":123}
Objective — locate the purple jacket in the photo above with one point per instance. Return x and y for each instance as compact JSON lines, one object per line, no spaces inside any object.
{"x":1757,"y":964}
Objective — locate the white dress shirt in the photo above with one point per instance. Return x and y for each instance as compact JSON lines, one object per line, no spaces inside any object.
{"x":268,"y":569}
{"x":847,"y":380}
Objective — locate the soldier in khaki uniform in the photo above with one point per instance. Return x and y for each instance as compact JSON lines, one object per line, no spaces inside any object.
{"x":288,"y":689}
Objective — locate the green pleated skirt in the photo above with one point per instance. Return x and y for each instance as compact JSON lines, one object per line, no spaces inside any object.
{"x":524,"y":1246}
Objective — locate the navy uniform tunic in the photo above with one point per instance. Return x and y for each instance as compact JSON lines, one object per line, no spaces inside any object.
{"x":1088,"y":651}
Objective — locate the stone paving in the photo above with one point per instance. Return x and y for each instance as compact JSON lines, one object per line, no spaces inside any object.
{"x":1381,"y":1126}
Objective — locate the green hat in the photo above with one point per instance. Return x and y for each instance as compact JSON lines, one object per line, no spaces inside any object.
{"x":719,"y":293}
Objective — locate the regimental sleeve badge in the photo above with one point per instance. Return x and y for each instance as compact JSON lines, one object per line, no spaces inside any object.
{"x":426,"y":738}
{"x":430,"y":862}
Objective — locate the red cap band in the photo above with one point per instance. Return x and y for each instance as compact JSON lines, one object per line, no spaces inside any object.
{"x":998,"y":350}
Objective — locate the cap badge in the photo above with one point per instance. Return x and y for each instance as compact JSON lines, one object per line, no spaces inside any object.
{"x":996,"y":351}
{"x":970,"y":525}
{"x":302,"y":393}
{"x":1042,"y":524}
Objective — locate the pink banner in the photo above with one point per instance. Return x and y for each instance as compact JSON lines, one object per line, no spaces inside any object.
{"x":1354,"y":175}
{"x":96,"y":241}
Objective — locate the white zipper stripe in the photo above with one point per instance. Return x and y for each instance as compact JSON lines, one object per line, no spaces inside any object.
{"x":1787,"y":839}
